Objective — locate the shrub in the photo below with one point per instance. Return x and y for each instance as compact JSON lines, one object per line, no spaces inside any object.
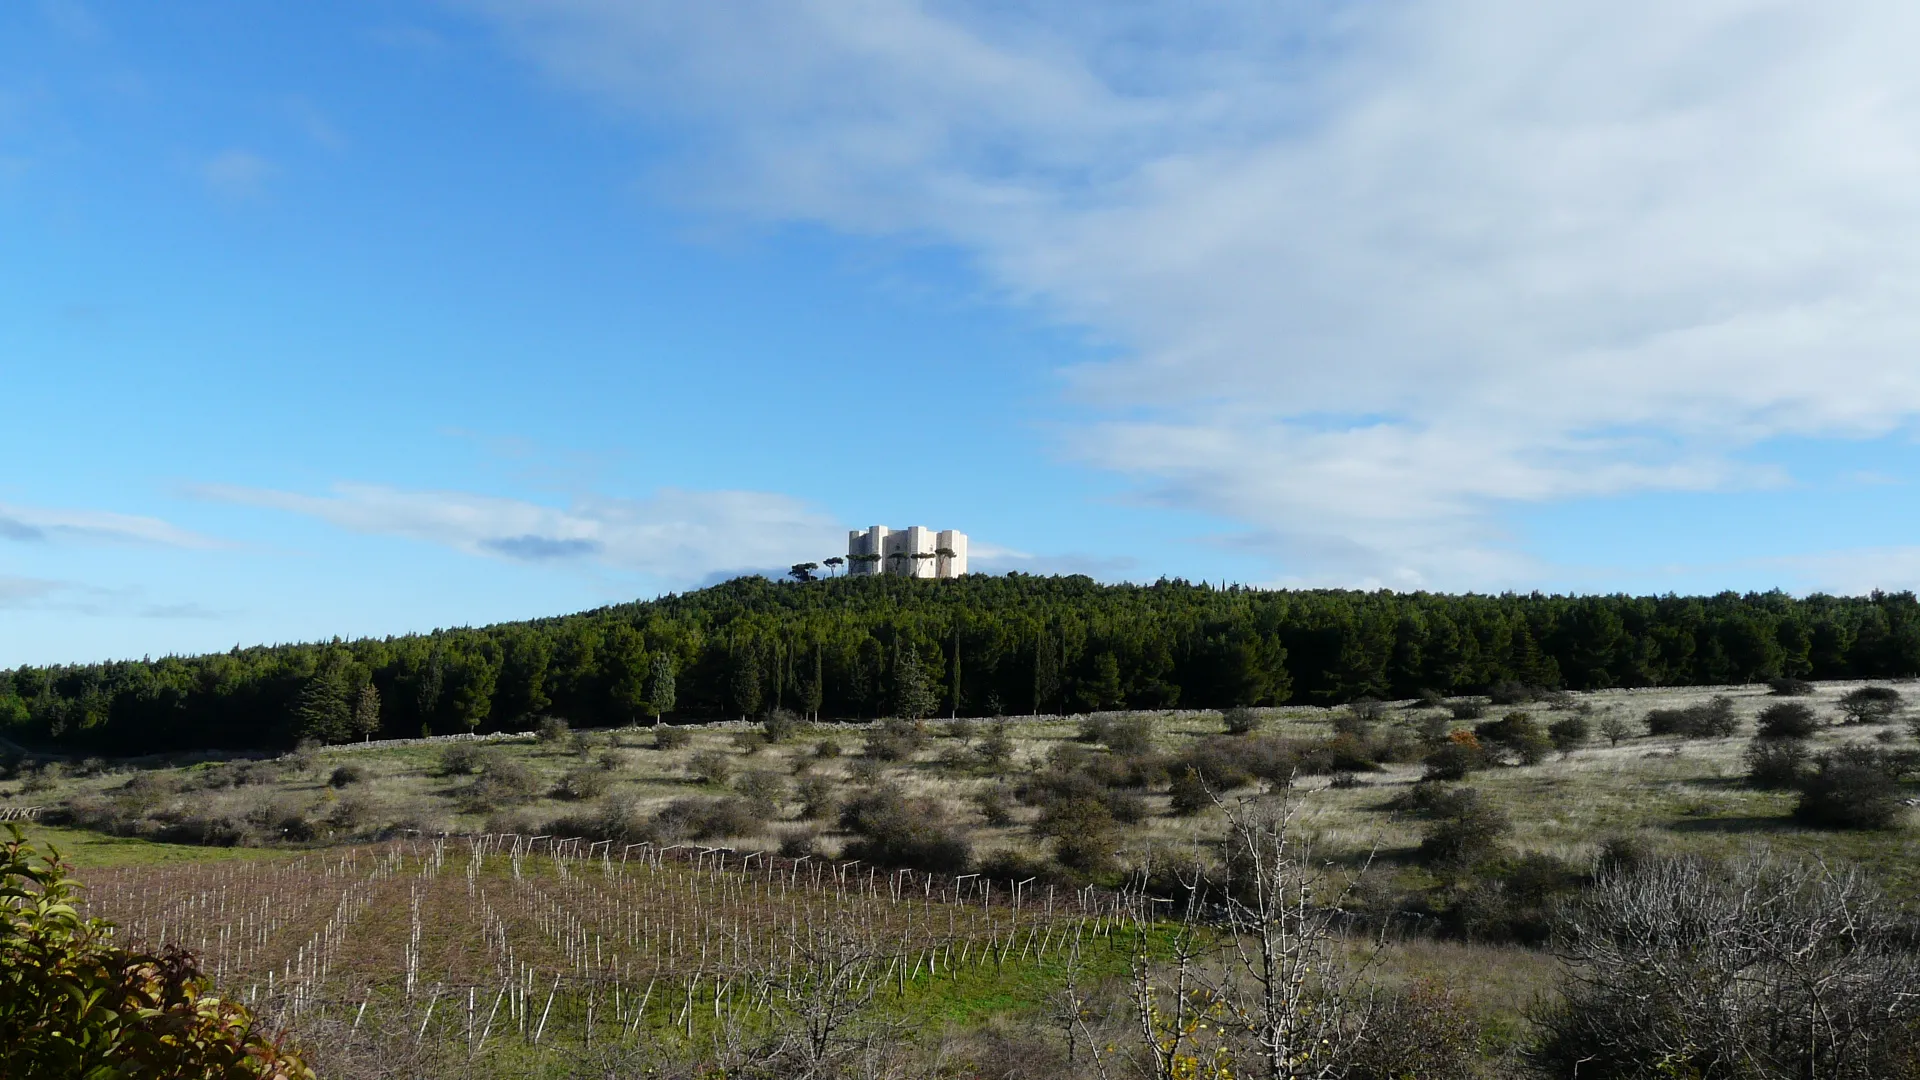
{"x":1188,"y":793}
{"x":354,"y":814}
{"x":1455,"y":758}
{"x":762,"y":786}
{"x":1345,"y":752}
{"x":502,"y":780}
{"x":892,"y":830}
{"x":701,"y":818}
{"x":897,"y":740}
{"x":799,"y":843}
{"x":580,"y":784}
{"x":464,"y":759}
{"x":711,"y":766}
{"x":345,"y":775}
{"x":1468,"y":709}
{"x":826,"y":749}
{"x":1344,"y":781}
{"x":1775,"y":763}
{"x":671,"y":738}
{"x":1510,"y":692}
{"x":818,"y":798}
{"x":1424,"y":1030}
{"x":1850,"y":788}
{"x":1614,"y":727}
{"x":1082,"y":831}
{"x":780,"y":725}
{"x":1517,"y":734}
{"x":1789,"y":687}
{"x":1871,"y":705}
{"x":1787,"y":720}
{"x":1715,"y":717}
{"x":1569,"y":733}
{"x":1241,"y":720}
{"x":1683,"y":968}
{"x":1216,"y":761}
{"x":1129,"y":735}
{"x":1621,"y":853}
{"x":995,"y":807}
{"x":77,"y":1004}
{"x":1468,"y":834}
{"x":996,"y":749}
{"x":551,"y":729}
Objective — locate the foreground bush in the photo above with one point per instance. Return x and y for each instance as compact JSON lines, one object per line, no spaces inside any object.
{"x":1763,"y":970}
{"x":1871,"y":705}
{"x":1850,"y":788}
{"x":74,"y":1004}
{"x":1787,"y":720}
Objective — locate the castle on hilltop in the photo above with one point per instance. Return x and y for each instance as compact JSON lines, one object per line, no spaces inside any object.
{"x":910,"y":552}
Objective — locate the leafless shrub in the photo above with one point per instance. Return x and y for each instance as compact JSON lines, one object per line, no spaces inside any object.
{"x":1763,"y":969}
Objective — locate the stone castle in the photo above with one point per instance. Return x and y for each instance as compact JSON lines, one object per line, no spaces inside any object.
{"x":910,"y":552}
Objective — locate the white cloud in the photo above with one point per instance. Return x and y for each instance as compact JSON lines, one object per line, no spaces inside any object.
{"x":236,"y":174}
{"x":1375,"y":272}
{"x":37,"y":524}
{"x":675,"y":536}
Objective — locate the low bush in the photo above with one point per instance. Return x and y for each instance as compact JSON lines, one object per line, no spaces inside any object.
{"x":763,"y":786}
{"x":1569,"y":733}
{"x":1516,"y":734}
{"x":711,"y":766}
{"x":346,"y":775}
{"x":464,"y":758}
{"x":1871,"y":705}
{"x":580,"y":784}
{"x":1468,"y":834}
{"x":1467,"y":709}
{"x":1775,"y":763}
{"x":749,"y":742}
{"x":1713,"y":718}
{"x":1849,"y":788}
{"x":355,"y":814}
{"x":826,"y":749}
{"x":1789,"y":687}
{"x":550,"y":729}
{"x":501,"y":780}
{"x":1189,"y":794}
{"x":1454,"y":759}
{"x":1425,"y":1030}
{"x":995,"y":806}
{"x":896,"y":740}
{"x":893,"y":831}
{"x":819,"y":798}
{"x":702,"y":818}
{"x":1124,"y":735}
{"x":1510,"y":692}
{"x":1787,"y":720}
{"x":996,"y":747}
{"x":1240,"y":720}
{"x":667,"y":737}
{"x":780,"y":725}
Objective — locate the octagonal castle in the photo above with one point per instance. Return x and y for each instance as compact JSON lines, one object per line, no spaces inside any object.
{"x":914,"y":551}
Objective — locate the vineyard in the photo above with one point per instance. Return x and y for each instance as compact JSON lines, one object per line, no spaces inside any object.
{"x":507,"y":945}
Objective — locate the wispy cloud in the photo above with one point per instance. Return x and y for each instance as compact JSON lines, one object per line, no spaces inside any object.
{"x":237,"y":174}
{"x":30,"y":524}
{"x":676,"y":536}
{"x":1376,"y":272}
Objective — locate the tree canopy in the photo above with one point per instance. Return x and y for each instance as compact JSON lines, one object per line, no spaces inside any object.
{"x":1018,"y":643}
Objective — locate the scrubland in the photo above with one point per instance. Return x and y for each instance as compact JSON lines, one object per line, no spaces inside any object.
{"x":488,"y":881}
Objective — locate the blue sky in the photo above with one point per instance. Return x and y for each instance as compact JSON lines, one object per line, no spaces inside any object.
{"x":363,"y":318}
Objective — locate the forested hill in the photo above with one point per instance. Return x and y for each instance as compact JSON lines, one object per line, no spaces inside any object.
{"x":861,"y":647}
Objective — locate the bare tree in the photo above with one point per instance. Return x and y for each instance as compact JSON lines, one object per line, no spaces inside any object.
{"x":1262,"y":972}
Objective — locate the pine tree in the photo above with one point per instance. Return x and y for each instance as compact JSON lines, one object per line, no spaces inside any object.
{"x":913,"y":692}
{"x":660,"y":688}
{"x":366,"y":712}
